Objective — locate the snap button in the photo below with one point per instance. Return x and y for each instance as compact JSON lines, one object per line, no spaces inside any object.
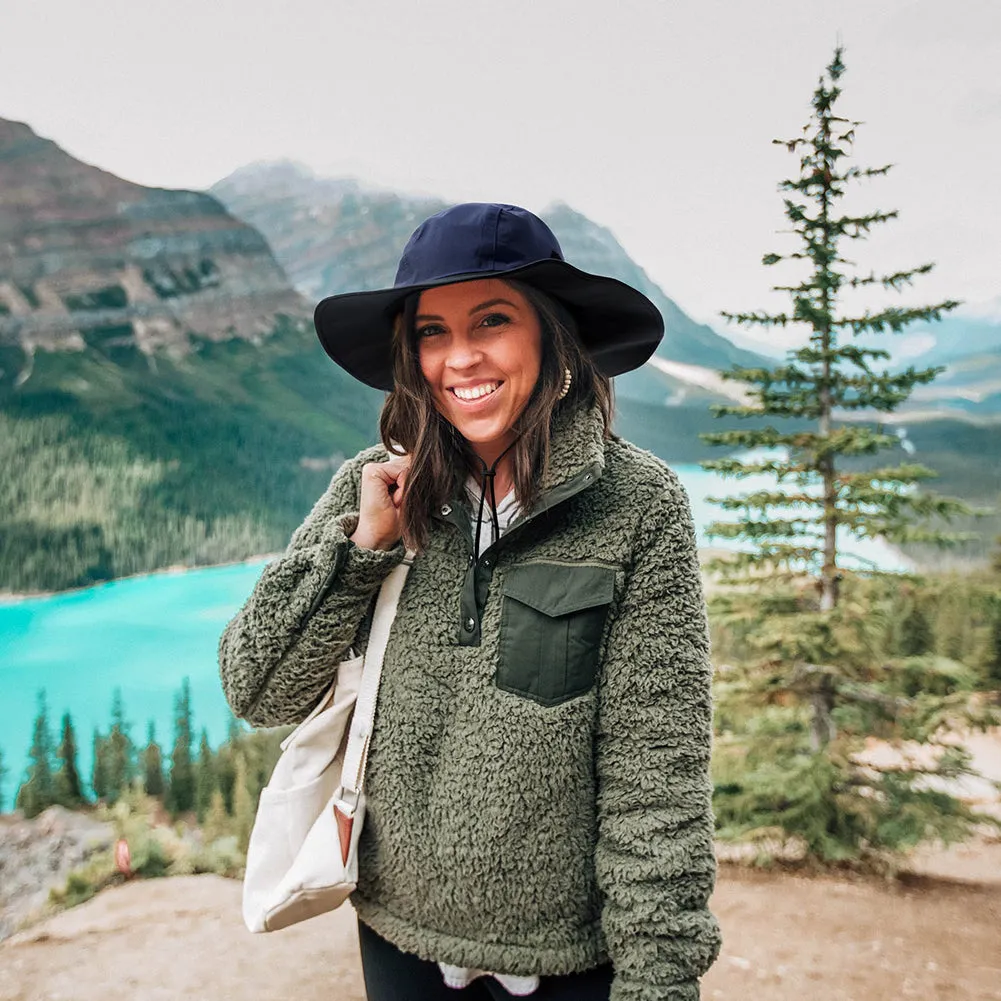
{"x":469,"y":625}
{"x":486,"y":562}
{"x":587,"y":477}
{"x":472,"y":559}
{"x":446,"y":510}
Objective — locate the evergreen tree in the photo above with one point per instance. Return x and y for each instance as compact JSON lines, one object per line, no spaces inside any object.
{"x":813,"y":684}
{"x":205,"y":780}
{"x":151,"y":763}
{"x":916,"y":635}
{"x":819,"y":492}
{"x":120,"y":763}
{"x":216,"y":823}
{"x":181,"y":787}
{"x":994,"y":642}
{"x":39,"y":790}
{"x":226,"y":762}
{"x":99,"y":774}
{"x":243,"y":803}
{"x":69,"y":789}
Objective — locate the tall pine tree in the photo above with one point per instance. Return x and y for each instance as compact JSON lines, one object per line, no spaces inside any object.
{"x":120,"y":760}
{"x":99,"y":771}
{"x":39,"y":789}
{"x":205,"y":777}
{"x":181,"y":787}
{"x":821,"y":497}
{"x":151,"y":764}
{"x":69,"y":789}
{"x":797,"y":706}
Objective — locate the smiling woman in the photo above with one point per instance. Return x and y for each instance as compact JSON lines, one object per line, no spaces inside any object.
{"x":480,"y":369}
{"x":537,"y":794}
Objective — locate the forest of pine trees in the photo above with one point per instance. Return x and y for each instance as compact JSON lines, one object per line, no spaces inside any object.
{"x":217,"y":787}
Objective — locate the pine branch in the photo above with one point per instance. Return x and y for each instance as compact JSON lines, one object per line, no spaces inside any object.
{"x":777,"y":528}
{"x":896,"y":281}
{"x":762,"y":500}
{"x":739,"y":468}
{"x":760,"y":319}
{"x":865,"y":694}
{"x":906,"y":473}
{"x":854,"y":173}
{"x":894,"y":319}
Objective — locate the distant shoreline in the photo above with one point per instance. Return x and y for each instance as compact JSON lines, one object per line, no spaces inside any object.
{"x":14,"y":597}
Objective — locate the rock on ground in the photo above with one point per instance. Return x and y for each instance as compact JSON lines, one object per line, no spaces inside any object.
{"x":37,"y":855}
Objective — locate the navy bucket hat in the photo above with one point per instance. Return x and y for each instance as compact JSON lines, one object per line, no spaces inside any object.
{"x":618,"y":326}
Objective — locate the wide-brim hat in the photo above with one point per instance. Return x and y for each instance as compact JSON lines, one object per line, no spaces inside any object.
{"x":618,"y":326}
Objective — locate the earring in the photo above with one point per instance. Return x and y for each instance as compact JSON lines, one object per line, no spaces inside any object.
{"x":567,"y":378}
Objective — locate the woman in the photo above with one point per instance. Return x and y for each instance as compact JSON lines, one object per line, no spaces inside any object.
{"x":538,"y":802}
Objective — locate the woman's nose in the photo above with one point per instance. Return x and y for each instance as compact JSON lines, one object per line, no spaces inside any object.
{"x":463,"y":354}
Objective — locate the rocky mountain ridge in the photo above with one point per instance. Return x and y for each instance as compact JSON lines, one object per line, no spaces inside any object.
{"x":88,"y":259}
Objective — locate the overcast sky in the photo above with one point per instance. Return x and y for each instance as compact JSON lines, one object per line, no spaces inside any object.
{"x":653,"y":117}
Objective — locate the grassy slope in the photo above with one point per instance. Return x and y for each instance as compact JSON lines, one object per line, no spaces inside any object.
{"x":123,"y":466}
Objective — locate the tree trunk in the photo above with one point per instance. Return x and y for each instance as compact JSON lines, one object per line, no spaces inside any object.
{"x":829,"y":571}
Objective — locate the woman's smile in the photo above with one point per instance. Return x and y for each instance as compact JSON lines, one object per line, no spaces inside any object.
{"x":471,"y":394}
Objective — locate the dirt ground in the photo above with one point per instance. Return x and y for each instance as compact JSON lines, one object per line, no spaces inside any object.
{"x":934,"y":936}
{"x":787,"y":938}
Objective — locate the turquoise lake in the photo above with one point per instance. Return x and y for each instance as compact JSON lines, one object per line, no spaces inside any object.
{"x":145,"y":634}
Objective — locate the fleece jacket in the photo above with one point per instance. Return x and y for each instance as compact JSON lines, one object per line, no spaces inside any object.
{"x":538,"y":794}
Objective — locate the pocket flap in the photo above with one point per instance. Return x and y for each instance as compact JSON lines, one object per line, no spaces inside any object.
{"x":559,"y":589}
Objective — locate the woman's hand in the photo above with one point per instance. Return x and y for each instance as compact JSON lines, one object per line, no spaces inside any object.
{"x":382,"y":485}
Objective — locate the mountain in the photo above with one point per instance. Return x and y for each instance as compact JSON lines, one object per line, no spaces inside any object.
{"x":336,"y":236}
{"x":89,"y":260}
{"x":958,"y":336}
{"x":330,"y":236}
{"x":163,"y":398}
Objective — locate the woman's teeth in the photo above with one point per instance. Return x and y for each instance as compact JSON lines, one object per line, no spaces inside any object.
{"x":475,"y":392}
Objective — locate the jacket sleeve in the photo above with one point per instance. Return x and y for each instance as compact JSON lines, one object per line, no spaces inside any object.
{"x":280,"y":652}
{"x":655,"y":861}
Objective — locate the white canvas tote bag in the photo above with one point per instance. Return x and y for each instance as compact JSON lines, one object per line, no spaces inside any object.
{"x":302,"y":859}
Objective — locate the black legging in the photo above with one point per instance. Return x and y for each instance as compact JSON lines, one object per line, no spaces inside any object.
{"x":392,"y":975}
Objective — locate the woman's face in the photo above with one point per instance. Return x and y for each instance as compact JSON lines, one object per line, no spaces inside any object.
{"x":480,"y":349}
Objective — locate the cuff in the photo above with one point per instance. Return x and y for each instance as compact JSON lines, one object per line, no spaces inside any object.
{"x":363,"y":569}
{"x":686,"y":990}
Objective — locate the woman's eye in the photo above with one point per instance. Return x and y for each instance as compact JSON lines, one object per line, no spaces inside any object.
{"x":429,"y":330}
{"x":495,"y":320}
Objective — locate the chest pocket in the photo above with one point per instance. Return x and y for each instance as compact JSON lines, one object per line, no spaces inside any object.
{"x":552,"y":619}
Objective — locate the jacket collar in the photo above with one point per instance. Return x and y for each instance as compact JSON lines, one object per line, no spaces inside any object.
{"x":577,"y":446}
{"x":576,"y":461}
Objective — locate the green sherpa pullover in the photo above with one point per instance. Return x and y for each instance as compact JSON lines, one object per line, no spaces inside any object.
{"x":538,"y":795}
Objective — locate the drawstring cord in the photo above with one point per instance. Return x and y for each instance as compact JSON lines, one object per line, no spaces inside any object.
{"x":488,"y":474}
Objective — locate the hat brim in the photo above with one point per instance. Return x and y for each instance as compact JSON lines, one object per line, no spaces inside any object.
{"x":619,"y":326}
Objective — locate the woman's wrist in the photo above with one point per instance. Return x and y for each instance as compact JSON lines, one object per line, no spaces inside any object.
{"x":365,"y":540}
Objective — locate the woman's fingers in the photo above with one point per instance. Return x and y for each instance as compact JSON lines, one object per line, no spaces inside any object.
{"x":379,"y":507}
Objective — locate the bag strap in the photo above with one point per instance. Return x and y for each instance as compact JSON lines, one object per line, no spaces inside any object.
{"x":360,"y":734}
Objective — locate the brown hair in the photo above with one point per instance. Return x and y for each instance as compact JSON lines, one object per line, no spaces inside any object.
{"x":441,"y":460}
